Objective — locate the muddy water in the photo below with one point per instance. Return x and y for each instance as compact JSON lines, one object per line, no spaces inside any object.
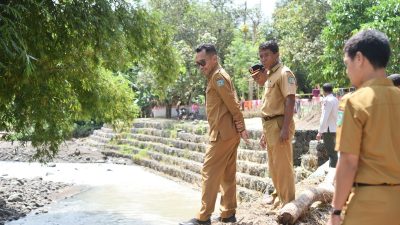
{"x":114,"y":194}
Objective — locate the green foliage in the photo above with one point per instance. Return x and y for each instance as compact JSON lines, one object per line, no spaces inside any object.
{"x":125,"y":149}
{"x":345,"y":18}
{"x":59,"y":61}
{"x":142,"y":81}
{"x":194,"y":23}
{"x":85,"y":128}
{"x":386,"y":18}
{"x":348,"y":17}
{"x":298,"y":25}
{"x":242,"y":55}
{"x":140,"y":155}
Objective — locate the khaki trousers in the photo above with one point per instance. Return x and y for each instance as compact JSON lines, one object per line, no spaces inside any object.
{"x":280,"y":159}
{"x":219,"y":172}
{"x":373,"y":205}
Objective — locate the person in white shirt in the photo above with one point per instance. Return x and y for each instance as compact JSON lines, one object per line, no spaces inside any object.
{"x":327,"y":123}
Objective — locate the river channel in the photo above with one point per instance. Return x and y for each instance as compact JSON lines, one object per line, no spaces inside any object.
{"x":113,"y":194}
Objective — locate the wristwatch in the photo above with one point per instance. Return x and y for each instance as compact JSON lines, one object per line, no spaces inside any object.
{"x":336,"y":212}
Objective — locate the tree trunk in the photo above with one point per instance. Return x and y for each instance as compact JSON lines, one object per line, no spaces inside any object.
{"x":293,"y":210}
{"x":168,"y":108}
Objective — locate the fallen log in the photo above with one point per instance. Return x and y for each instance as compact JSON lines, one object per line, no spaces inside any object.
{"x":294,"y":209}
{"x":323,"y":192}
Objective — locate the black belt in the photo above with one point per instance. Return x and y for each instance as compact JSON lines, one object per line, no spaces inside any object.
{"x":266,"y":118}
{"x":366,"y":185}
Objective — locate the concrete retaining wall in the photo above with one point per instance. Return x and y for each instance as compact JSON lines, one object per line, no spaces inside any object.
{"x":177,"y":149}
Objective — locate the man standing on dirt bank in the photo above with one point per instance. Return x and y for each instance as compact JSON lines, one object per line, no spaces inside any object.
{"x":368,"y":170}
{"x":226,"y":127}
{"x":327,"y":123}
{"x":278,"y":125}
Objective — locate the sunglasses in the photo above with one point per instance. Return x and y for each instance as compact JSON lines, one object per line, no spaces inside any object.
{"x":201,"y":63}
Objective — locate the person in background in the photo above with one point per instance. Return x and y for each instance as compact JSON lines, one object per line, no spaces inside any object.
{"x":327,"y":123}
{"x":195,"y":110}
{"x":396,"y":79}
{"x":368,"y":170}
{"x":178,"y":109}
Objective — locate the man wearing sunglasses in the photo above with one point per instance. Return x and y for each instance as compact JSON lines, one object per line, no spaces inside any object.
{"x":226,"y":127}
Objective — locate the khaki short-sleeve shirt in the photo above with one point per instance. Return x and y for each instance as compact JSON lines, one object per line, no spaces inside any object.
{"x":281,"y":83}
{"x":222,"y":106}
{"x":368,"y":126}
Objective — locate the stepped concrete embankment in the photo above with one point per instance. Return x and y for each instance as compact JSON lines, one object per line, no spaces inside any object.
{"x":177,"y":149}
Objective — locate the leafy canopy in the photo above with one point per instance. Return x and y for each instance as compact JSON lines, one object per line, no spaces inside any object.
{"x":348,"y":17}
{"x":59,"y":63}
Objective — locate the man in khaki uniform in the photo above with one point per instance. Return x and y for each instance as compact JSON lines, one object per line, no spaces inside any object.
{"x":226,"y":127}
{"x":278,"y":125}
{"x":367,"y":137}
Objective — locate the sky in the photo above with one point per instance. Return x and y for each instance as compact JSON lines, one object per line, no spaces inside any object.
{"x":267,"y":6}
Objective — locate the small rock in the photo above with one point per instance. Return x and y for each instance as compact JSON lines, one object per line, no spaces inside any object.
{"x":38,"y":204}
{"x":2,"y":203}
{"x":15,"y":198}
{"x":4,"y":175}
{"x":88,"y":159}
{"x":17,"y":182}
{"x":37,"y":178}
{"x":51,"y":165}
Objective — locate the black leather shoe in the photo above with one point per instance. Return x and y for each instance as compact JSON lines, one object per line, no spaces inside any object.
{"x":231,"y":219}
{"x":195,"y":221}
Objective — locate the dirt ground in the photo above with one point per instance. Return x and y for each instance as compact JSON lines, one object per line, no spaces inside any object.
{"x":310,"y":121}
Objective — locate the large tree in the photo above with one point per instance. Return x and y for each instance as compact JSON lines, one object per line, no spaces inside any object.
{"x":345,"y":17}
{"x":298,"y":25}
{"x":194,"y":23}
{"x":242,"y":54}
{"x":59,"y":63}
{"x":348,"y":17}
{"x":385,"y":16}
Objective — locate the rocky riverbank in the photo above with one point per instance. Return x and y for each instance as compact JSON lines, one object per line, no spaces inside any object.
{"x":18,"y":197}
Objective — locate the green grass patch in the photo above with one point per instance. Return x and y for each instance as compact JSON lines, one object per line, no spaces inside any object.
{"x":126,"y":150}
{"x":141,"y":154}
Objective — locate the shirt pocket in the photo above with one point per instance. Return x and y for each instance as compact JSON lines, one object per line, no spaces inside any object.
{"x":270,"y":87}
{"x":212,"y":97}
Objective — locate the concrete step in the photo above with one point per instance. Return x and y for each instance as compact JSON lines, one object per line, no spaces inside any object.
{"x":190,"y":137}
{"x":245,"y":155}
{"x":100,"y":139}
{"x":253,"y":182}
{"x":244,"y":194}
{"x":104,"y":133}
{"x":177,"y":143}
